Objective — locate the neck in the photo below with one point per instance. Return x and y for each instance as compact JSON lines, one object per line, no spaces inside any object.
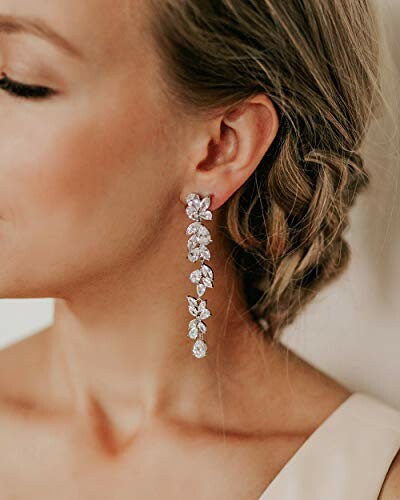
{"x":120,"y":347}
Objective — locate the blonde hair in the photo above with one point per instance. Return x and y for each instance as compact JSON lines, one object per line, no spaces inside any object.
{"x":318,"y":61}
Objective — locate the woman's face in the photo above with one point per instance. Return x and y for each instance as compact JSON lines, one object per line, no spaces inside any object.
{"x":81,"y":170}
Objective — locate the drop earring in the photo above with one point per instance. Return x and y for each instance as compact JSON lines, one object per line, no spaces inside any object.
{"x":199,"y":238}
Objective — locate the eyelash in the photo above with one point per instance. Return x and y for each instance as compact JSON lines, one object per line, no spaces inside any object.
{"x":24,"y":91}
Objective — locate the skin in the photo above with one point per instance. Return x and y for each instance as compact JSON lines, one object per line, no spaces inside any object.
{"x":94,"y":179}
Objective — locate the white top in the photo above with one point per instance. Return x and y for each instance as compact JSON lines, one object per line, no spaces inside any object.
{"x":346,"y":457}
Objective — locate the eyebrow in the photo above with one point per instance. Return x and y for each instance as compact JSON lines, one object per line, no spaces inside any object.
{"x":35,"y":26}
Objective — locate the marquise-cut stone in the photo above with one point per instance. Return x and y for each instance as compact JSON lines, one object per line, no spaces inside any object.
{"x":207,"y":271}
{"x":202,"y":230}
{"x":205,"y":314}
{"x":204,"y":252}
{"x":195,"y":276}
{"x":207,"y":282}
{"x":201,"y":289}
{"x":205,"y":203}
{"x":192,"y":301}
{"x":193,"y":241}
{"x":193,"y":333}
{"x":195,"y":203}
{"x":193,"y":311}
{"x":207,"y":215}
{"x":193,"y":228}
{"x":193,"y":306}
{"x":204,"y":240}
{"x":191,"y":196}
{"x":191,"y":212}
{"x":202,"y":327}
{"x":194,"y":254}
{"x":202,"y":304}
{"x":193,"y":323}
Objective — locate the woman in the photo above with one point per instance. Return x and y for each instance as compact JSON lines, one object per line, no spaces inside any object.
{"x":116,"y":117}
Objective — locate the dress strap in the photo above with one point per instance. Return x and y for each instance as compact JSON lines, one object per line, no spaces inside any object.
{"x":346,"y":457}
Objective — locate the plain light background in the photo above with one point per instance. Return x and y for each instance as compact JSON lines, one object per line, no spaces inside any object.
{"x":352,"y":329}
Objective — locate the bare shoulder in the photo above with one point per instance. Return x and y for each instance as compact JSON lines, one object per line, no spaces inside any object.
{"x":22,"y":369}
{"x":391,"y":486}
{"x":309,"y":385}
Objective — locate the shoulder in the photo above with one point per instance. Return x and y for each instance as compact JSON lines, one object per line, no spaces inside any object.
{"x":391,"y":486}
{"x":22,"y":370}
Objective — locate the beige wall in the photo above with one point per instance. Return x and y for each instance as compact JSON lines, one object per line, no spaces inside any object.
{"x":352,"y":331}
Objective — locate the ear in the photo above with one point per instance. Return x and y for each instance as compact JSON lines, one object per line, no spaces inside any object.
{"x":236,"y":143}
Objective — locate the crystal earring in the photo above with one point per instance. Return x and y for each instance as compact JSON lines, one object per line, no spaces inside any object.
{"x":199,"y":238}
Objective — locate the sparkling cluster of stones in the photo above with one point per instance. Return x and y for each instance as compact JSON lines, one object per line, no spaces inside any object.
{"x":199,"y":238}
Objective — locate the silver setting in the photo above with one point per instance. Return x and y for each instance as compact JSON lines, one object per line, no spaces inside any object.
{"x":203,"y":277}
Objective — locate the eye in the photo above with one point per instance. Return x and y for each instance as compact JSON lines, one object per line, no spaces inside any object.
{"x":25,"y":91}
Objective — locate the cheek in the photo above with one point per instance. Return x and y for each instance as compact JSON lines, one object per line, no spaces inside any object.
{"x":100,"y":153}
{"x":82,"y":191}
